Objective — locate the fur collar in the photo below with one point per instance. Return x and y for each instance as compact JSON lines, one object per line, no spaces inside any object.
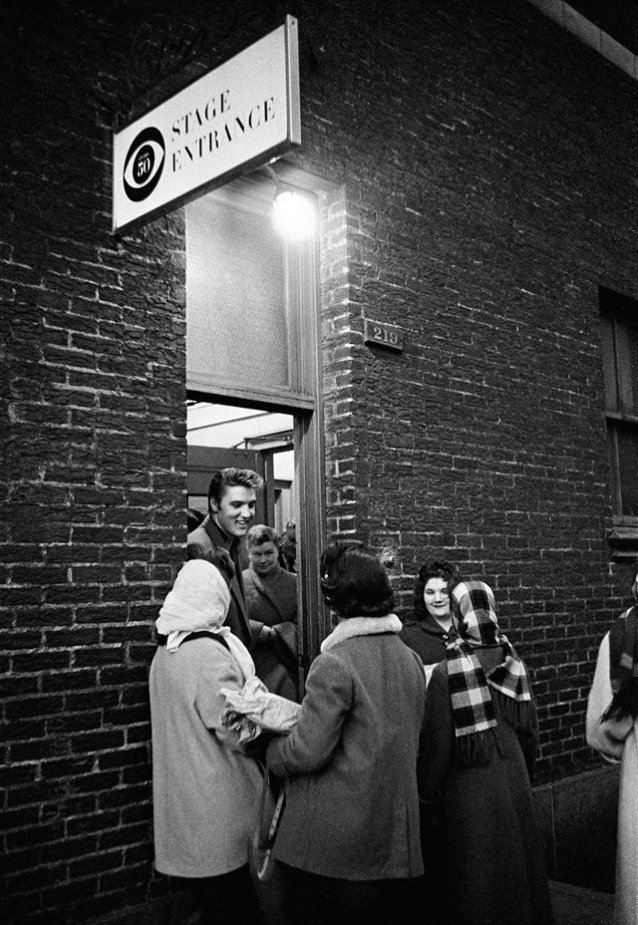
{"x":361,"y":626}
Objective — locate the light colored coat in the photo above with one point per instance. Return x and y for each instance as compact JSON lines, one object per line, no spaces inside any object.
{"x":205,"y":792}
{"x":352,"y":808}
{"x":617,"y":740}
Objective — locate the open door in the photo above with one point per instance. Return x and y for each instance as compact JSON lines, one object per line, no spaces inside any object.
{"x":253,"y":345}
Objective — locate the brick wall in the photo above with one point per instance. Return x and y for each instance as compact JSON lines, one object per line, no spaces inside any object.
{"x":488,"y":164}
{"x":486,"y":170}
{"x":93,"y":486}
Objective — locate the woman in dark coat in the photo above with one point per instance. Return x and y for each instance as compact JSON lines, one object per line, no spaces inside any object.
{"x":349,"y":835}
{"x":478,"y":746}
{"x":430,"y":629}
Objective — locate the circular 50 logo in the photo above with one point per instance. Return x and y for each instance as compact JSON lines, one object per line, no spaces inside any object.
{"x":143,"y":165}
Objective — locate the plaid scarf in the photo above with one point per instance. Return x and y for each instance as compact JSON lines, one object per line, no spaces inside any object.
{"x":473,"y":608}
{"x":623,"y":666}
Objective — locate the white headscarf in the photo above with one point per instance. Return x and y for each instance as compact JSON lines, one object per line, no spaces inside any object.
{"x":199,"y":600}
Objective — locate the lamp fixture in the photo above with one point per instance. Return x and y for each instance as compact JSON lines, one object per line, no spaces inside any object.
{"x":293,"y":215}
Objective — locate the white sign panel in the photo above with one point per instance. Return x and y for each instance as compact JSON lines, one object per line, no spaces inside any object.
{"x":238,"y":115}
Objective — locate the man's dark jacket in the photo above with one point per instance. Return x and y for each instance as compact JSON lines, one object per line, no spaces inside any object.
{"x":207,"y":538}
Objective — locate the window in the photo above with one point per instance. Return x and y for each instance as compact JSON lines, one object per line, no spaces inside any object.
{"x":250,"y":299}
{"x":619,"y":329}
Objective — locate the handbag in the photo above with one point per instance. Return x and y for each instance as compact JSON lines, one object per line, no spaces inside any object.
{"x":270,"y":810}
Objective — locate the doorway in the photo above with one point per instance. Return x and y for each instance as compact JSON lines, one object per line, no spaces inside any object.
{"x":221,"y":435}
{"x":253,"y":369}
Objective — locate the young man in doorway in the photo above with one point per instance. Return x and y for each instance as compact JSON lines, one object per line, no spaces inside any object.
{"x":232,"y":496}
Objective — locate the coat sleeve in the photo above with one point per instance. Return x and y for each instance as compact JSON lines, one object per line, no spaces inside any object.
{"x":437,"y":737}
{"x":311,"y":744}
{"x":605,"y":736}
{"x":217,"y":669}
{"x":528,"y":740}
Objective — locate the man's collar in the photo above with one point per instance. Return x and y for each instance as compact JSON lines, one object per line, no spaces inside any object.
{"x":217,"y":535}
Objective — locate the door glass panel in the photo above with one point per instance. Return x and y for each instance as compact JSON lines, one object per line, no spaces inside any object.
{"x":627,"y":456}
{"x":609,"y":363}
{"x":237,"y":312}
{"x":626,"y":352}
{"x":632,"y":350}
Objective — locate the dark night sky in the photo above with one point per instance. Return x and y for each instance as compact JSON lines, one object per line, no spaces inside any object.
{"x":619,"y":18}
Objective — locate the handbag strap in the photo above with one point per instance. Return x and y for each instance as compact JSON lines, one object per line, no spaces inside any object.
{"x":279,"y":805}
{"x":276,"y":816}
{"x":198,"y":634}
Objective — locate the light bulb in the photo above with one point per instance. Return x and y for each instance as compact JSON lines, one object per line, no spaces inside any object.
{"x":293,"y":215}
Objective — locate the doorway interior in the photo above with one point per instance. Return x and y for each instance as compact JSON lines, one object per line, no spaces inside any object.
{"x":220,"y":435}
{"x":253,"y":368}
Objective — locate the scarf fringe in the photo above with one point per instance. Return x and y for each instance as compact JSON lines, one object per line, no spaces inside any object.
{"x":521,"y":714}
{"x":477,"y":748}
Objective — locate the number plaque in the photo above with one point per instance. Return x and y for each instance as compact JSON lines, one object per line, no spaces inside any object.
{"x":382,"y":335}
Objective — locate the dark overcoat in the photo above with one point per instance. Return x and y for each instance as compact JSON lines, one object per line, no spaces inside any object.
{"x":482,"y":818}
{"x":428,"y":638}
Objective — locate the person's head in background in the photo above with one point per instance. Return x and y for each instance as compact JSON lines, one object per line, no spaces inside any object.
{"x":220,"y":558}
{"x":432,"y":591}
{"x":354,"y":583}
{"x":262,"y":543}
{"x":232,"y":497}
{"x":288,"y":547}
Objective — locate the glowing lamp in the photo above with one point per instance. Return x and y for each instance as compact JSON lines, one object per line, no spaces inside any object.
{"x":293,"y":215}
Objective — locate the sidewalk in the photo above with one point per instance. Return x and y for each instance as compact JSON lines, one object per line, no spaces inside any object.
{"x":573,"y":905}
{"x":576,"y":905}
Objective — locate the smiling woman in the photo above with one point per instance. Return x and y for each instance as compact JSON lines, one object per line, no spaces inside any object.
{"x":271,"y":600}
{"x":263,"y":549}
{"x":430,"y":628}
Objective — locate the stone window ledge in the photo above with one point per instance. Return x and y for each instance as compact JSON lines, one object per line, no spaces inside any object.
{"x":623,"y":543}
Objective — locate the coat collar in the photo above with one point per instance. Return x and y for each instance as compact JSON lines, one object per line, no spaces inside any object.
{"x":264,"y":583}
{"x":218,"y":536}
{"x":361,"y":626}
{"x":432,"y":627}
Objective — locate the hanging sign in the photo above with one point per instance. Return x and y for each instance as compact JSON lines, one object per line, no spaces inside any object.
{"x":236,"y":117}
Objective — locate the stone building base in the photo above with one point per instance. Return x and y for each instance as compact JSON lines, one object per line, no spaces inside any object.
{"x":578,"y":818}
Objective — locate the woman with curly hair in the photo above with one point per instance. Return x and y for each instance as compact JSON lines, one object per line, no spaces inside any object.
{"x":430,"y":629}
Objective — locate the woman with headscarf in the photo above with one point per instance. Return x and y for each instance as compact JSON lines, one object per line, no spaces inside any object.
{"x":206,"y":792}
{"x":612,"y":729}
{"x":349,"y":834}
{"x":477,"y":751}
